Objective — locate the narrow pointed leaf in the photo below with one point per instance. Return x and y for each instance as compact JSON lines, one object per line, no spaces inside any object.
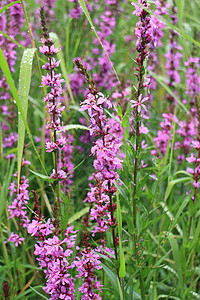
{"x":8,"y":5}
{"x":121,"y":252}
{"x":75,"y":126}
{"x":173,"y":183}
{"x":24,"y":87}
{"x":78,"y":215}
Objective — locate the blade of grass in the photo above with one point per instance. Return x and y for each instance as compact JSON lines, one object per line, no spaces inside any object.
{"x":8,"y":5}
{"x":176,"y":255}
{"x":24,"y":87}
{"x":180,"y":5}
{"x":121,"y":252}
{"x":12,"y":40}
{"x":173,"y":183}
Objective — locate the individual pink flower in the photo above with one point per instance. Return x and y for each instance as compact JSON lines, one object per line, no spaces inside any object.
{"x":139,"y":103}
{"x":191,"y":158}
{"x":15,"y":238}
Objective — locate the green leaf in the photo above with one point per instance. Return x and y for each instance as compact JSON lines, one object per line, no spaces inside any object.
{"x":120,"y":290}
{"x":171,"y":217}
{"x":44,"y":177}
{"x":176,"y":255}
{"x":121,"y":252}
{"x":24,"y":87}
{"x":106,"y":258}
{"x":78,"y":215}
{"x":12,"y":40}
{"x":8,"y":5}
{"x":180,"y":210}
{"x":113,"y":116}
{"x":183,"y":172}
{"x":4,"y":189}
{"x":6,"y":71}
{"x":173,"y":183}
{"x":76,"y":126}
{"x":180,"y":5}
{"x":42,"y":296}
{"x":111,"y":276}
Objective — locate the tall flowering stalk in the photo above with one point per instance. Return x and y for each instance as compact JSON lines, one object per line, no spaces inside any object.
{"x":53,"y":254}
{"x":52,"y":100}
{"x":145,"y":35}
{"x":106,"y":162}
{"x":86,"y":265}
{"x":18,"y":208}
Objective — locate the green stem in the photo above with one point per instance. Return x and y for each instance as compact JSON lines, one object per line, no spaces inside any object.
{"x":142,"y":286}
{"x":5,"y":255}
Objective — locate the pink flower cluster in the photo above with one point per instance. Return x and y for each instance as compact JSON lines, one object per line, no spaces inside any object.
{"x":86,"y":265}
{"x":192,"y":78}
{"x":15,"y":238}
{"x":53,"y":104}
{"x":106,"y":162}
{"x":195,"y":171}
{"x":145,"y":33}
{"x":54,"y":258}
{"x":163,"y":135}
{"x":18,"y":207}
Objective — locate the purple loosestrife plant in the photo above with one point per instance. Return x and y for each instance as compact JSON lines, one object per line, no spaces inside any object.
{"x":194,"y":170}
{"x":54,"y":258}
{"x":54,"y":254}
{"x":18,"y":207}
{"x":86,"y":265}
{"x":106,"y":162}
{"x":144,"y":31}
{"x":53,"y":251}
{"x":52,"y":100}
